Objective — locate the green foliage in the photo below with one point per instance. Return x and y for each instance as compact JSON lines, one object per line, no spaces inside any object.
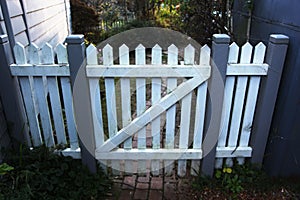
{"x":41,"y":174}
{"x":5,"y":168}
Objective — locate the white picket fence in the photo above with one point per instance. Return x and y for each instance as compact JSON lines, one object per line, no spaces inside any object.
{"x":155,"y":110}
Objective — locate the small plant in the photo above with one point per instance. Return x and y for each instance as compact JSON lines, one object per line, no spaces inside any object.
{"x":5,"y":168}
{"x":230,"y":180}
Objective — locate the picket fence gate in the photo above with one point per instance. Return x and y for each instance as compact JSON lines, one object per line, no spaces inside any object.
{"x":155,"y":112}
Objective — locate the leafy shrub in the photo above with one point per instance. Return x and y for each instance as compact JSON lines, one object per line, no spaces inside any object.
{"x":41,"y":174}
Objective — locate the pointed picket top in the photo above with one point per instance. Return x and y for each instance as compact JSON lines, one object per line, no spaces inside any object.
{"x":205,"y":55}
{"x":172,"y":55}
{"x":108,"y":55}
{"x":47,"y":54}
{"x":140,"y":55}
{"x":62,"y":55}
{"x":156,"y":54}
{"x":189,"y":55}
{"x":246,"y":53}
{"x":91,"y":55}
{"x":33,"y":54}
{"x":259,"y":53}
{"x":233,"y":53}
{"x":20,"y":55}
{"x":124,"y":55}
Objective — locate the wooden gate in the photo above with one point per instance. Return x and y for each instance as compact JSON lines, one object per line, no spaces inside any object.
{"x":140,"y":127}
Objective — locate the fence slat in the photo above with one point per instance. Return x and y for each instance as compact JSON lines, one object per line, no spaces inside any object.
{"x":28,"y":97}
{"x":62,"y":58}
{"x":200,"y":110}
{"x":110,"y":92}
{"x":47,"y":57}
{"x":140,"y":59}
{"x":227,"y":102}
{"x":258,"y":58}
{"x":171,"y":112}
{"x":126,"y":102}
{"x":156,"y":95}
{"x":189,"y":55}
{"x":239,"y":101}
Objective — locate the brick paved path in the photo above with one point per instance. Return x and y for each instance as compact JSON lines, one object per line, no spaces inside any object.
{"x":149,"y":187}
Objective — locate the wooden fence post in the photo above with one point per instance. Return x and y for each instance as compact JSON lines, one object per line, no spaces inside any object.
{"x":11,"y":97}
{"x":220,"y":49}
{"x":82,"y":102}
{"x":275,"y":57}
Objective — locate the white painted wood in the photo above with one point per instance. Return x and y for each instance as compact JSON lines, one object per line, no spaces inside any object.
{"x":200,"y":110}
{"x":140,"y":59}
{"x":111,"y":101}
{"x":44,"y":111}
{"x":258,"y":69}
{"x":239,"y":101}
{"x":151,"y":154}
{"x":153,"y":112}
{"x":28,"y":97}
{"x":39,"y":70}
{"x":47,"y":57}
{"x":258,"y":58}
{"x":62,"y":59}
{"x":69,"y":112}
{"x":74,"y":153}
{"x":141,"y":71}
{"x":33,"y":54}
{"x":227,"y":102}
{"x":126,"y":102}
{"x":171,"y":112}
{"x":233,"y":152}
{"x":91,"y":53}
{"x":189,"y":55}
{"x":156,"y":95}
{"x":62,"y":55}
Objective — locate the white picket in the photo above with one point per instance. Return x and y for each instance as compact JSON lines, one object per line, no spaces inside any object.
{"x":200,"y":110}
{"x":227,"y":102}
{"x":171,"y":112}
{"x":41,"y":96}
{"x":110,"y":101}
{"x":258,"y":58}
{"x":28,"y":97}
{"x":156,"y":95}
{"x":140,"y":59}
{"x":47,"y":58}
{"x":239,"y":101}
{"x":62,"y":58}
{"x":126,"y":102}
{"x":189,"y":56}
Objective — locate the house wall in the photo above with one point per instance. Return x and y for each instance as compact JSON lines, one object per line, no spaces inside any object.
{"x":4,"y":137}
{"x":282,"y":157}
{"x":47,"y":21}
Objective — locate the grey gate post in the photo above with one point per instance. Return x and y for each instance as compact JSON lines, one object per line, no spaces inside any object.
{"x":82,"y":102}
{"x":11,"y":97}
{"x":275,"y":57}
{"x":220,"y":49}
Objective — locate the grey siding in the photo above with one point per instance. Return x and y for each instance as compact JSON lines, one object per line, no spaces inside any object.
{"x":47,"y":20}
{"x":282,"y":157}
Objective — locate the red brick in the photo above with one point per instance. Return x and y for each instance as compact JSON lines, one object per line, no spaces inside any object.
{"x":140,"y":194}
{"x":125,"y":195}
{"x":156,"y":183}
{"x":155,"y":195}
{"x":142,"y":186}
{"x":129,"y":182}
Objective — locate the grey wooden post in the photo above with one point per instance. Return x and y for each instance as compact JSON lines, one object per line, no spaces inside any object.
{"x":81,"y":100}
{"x":275,"y":57}
{"x":10,"y":95}
{"x":220,"y":49}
